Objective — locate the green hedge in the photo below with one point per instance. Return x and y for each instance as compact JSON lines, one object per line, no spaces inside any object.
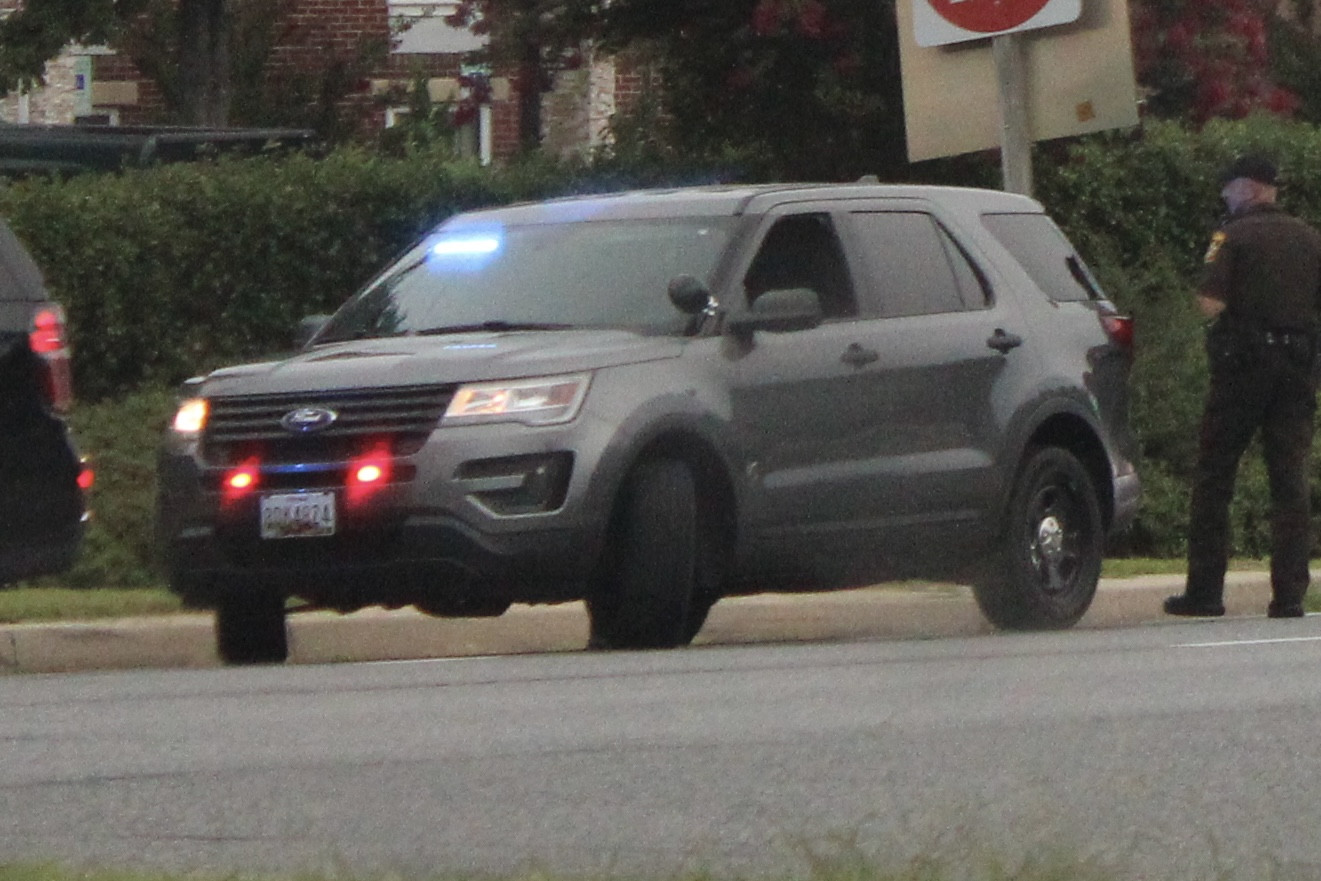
{"x":168,"y":272}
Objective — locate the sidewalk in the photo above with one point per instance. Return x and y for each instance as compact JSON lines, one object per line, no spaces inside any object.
{"x":921,"y":612}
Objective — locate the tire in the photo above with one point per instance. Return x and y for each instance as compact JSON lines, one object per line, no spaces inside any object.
{"x":251,"y":630}
{"x":1044,"y":575}
{"x":643,"y":597}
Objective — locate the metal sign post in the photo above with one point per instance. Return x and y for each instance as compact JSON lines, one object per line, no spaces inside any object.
{"x":1015,"y":121}
{"x":946,"y":22}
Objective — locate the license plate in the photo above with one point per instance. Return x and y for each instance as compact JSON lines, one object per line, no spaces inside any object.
{"x":297,"y":515}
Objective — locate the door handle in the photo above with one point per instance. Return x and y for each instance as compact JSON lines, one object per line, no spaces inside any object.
{"x":857,"y":356}
{"x":1002,"y":342}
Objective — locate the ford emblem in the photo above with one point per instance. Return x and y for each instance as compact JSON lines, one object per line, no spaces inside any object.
{"x":305,"y":420}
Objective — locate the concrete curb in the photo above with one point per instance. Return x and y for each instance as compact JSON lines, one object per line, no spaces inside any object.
{"x":884,"y":612}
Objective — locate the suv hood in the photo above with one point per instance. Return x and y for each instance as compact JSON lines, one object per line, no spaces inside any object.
{"x":456,"y":358}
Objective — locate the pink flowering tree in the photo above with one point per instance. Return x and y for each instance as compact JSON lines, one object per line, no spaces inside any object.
{"x":1199,"y":59}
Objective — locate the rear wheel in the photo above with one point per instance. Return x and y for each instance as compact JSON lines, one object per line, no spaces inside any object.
{"x":1045,"y":573}
{"x":251,"y":630}
{"x":643,"y":597}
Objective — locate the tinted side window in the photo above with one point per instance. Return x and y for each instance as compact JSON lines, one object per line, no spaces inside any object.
{"x":972,"y":283}
{"x":1044,"y":253}
{"x":908,"y":265}
{"x":802,"y":251}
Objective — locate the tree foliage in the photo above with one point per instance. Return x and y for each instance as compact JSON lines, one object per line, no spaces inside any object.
{"x":38,"y":32}
{"x":810,"y":88}
{"x":535,"y":39}
{"x":1201,"y":60}
{"x":799,"y":88}
{"x":209,"y":58}
{"x":182,"y":44}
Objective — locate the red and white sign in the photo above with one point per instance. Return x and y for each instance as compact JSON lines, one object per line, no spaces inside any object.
{"x":941,"y":22}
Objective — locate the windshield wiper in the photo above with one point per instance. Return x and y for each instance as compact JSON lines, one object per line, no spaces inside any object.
{"x":493,"y":327}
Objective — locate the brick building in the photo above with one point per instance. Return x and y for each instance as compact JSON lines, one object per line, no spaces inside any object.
{"x":95,"y":84}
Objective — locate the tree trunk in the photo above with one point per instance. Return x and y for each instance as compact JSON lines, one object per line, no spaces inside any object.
{"x":531,"y":83}
{"x":204,"y":62}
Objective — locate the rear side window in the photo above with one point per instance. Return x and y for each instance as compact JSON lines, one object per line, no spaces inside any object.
{"x":913,"y":267}
{"x":1045,"y":255}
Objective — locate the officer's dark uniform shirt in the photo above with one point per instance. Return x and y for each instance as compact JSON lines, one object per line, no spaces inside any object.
{"x":1265,"y":266}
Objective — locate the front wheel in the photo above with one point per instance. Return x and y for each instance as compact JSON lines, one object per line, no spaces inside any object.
{"x":251,"y":630}
{"x":1045,"y":572}
{"x":644,"y":593}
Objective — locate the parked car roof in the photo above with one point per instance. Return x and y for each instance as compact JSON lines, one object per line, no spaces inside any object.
{"x":728,"y":200}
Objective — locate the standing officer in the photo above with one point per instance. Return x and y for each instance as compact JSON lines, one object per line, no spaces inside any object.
{"x":1262,"y":287}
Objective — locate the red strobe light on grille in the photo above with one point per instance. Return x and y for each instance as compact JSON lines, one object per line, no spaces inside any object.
{"x":368,"y":473}
{"x":240,"y":480}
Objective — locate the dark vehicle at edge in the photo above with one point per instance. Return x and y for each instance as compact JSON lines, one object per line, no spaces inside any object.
{"x":651,"y":400}
{"x":42,"y":508}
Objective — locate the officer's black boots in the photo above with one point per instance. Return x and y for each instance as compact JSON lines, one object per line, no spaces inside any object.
{"x":1278,"y":609}
{"x":1193,"y":607}
{"x":1196,"y":607}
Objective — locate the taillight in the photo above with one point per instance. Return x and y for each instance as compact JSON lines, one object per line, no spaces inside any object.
{"x":1120,"y":330}
{"x":86,"y":476}
{"x":47,"y":339}
{"x":48,"y":331}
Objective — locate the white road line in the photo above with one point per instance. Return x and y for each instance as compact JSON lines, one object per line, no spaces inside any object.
{"x":1215,"y":645}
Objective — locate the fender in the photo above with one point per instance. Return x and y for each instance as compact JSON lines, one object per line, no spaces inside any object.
{"x":680,"y":420}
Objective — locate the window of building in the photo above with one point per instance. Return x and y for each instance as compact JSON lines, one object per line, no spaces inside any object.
{"x":423,"y":30}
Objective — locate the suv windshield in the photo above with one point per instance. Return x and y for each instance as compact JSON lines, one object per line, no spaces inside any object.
{"x":469,"y":277}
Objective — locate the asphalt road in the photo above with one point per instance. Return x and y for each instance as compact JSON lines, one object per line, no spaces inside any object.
{"x":1179,"y":750}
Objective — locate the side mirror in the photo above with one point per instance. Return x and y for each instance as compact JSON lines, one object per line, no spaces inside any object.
{"x":779,"y":311}
{"x":689,"y":294}
{"x":308,"y":328}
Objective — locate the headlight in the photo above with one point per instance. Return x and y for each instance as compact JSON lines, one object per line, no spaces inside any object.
{"x":545,"y":401}
{"x":191,"y":416}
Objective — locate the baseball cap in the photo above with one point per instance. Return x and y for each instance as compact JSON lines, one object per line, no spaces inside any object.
{"x":1252,"y":166}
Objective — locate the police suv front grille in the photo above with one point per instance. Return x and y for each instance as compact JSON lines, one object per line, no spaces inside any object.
{"x":240,"y":428}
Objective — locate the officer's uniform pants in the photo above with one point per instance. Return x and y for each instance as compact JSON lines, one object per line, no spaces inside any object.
{"x":1274,"y":391}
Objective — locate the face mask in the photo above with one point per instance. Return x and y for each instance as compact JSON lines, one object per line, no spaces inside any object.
{"x":1237,"y":194}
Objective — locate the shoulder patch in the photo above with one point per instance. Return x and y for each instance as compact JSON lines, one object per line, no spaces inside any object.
{"x":1213,"y":250}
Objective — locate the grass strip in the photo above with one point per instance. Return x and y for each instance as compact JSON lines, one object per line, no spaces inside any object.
{"x":20,"y":605}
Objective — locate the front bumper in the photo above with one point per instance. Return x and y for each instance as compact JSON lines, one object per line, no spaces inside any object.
{"x":437,"y":563}
{"x":461,"y":528}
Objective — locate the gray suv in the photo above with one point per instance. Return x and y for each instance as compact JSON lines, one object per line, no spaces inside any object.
{"x":651,"y":400}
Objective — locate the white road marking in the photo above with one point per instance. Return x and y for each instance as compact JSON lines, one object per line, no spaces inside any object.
{"x":1215,"y":645}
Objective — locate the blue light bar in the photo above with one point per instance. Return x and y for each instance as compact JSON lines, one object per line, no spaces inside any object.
{"x":466,"y":247}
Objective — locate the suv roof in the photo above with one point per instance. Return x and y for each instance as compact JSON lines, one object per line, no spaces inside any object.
{"x":730,"y":200}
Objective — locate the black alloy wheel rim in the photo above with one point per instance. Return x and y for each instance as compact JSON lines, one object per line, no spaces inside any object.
{"x":1056,"y":525}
